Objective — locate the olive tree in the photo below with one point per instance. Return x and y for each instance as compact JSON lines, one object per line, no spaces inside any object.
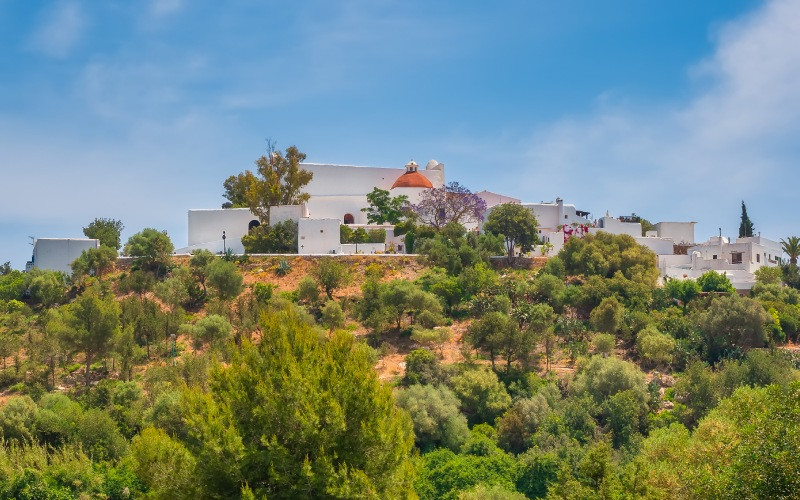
{"x":151,"y":249}
{"x":516,"y":224}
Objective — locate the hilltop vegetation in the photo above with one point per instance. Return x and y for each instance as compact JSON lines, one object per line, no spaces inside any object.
{"x":226,"y":377}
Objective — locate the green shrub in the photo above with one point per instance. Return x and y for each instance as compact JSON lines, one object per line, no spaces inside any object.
{"x":434,"y":412}
{"x":603,"y":343}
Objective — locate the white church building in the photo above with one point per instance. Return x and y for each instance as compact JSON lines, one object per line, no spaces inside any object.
{"x":337,"y":195}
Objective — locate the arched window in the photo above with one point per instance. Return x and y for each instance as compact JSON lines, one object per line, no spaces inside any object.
{"x":349,"y":219}
{"x":253,"y":223}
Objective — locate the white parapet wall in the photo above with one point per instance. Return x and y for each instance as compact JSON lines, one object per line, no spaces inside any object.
{"x":57,"y":254}
{"x":318,"y":236}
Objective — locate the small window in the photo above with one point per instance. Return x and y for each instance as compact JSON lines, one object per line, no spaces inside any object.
{"x":758,"y":257}
{"x":253,"y":224}
{"x":566,"y":216}
{"x":736,"y":257}
{"x":714,"y":256}
{"x":349,"y":219}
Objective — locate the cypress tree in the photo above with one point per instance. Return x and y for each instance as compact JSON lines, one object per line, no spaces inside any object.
{"x":746,"y":226}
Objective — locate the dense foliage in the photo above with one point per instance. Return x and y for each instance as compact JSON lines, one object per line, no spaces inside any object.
{"x":185,"y":378}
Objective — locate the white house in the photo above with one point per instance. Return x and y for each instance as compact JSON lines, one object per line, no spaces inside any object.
{"x":682,"y":233}
{"x":57,"y":254}
{"x":746,"y":254}
{"x":552,"y":215}
{"x":614,"y":225}
{"x":661,"y":241}
{"x":738,"y":260}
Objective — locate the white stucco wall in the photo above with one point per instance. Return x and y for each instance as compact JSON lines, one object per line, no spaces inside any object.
{"x":659,"y":246}
{"x":616,"y":226}
{"x":318,"y":236}
{"x":682,"y":233}
{"x":282,"y":213}
{"x":553,"y":214}
{"x":768,"y":249}
{"x":554,"y":238}
{"x":57,"y":254}
{"x":335,"y":207}
{"x":756,"y":252}
{"x":717,"y":253}
{"x":206,"y":226}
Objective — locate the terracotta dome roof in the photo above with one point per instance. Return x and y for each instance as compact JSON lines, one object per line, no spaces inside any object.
{"x":412,"y":179}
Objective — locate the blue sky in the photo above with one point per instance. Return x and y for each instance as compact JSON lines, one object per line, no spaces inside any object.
{"x":138,"y":110}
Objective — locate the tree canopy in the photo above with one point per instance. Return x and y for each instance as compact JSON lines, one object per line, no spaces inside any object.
{"x":384,"y":208}
{"x":516,"y":224}
{"x":278,"y":422}
{"x":151,"y":249}
{"x":452,"y":202}
{"x":107,"y":231}
{"x":791,"y":246}
{"x":278,"y":180}
{"x":603,"y":254}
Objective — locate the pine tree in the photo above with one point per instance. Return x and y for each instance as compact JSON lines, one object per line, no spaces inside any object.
{"x":746,"y":226}
{"x":299,"y":416}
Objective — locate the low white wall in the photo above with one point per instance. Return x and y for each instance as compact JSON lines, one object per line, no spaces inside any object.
{"x":318,"y":236}
{"x":362,"y":248}
{"x":740,"y":279}
{"x":57,"y":254}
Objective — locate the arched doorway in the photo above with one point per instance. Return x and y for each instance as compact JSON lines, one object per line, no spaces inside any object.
{"x":253,"y":223}
{"x":349,"y":219}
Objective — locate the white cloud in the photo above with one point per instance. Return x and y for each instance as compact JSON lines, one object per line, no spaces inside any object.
{"x":163,"y":8}
{"x":735,"y":138}
{"x":60,"y":29}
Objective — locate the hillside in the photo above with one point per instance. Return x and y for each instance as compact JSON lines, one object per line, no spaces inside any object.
{"x":525,"y":380}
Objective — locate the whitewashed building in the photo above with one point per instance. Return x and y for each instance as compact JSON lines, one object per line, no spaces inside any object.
{"x":340,"y":191}
{"x":738,"y":259}
{"x":681,"y":233}
{"x":337,"y":194}
{"x":58,"y":254}
{"x":552,"y":215}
